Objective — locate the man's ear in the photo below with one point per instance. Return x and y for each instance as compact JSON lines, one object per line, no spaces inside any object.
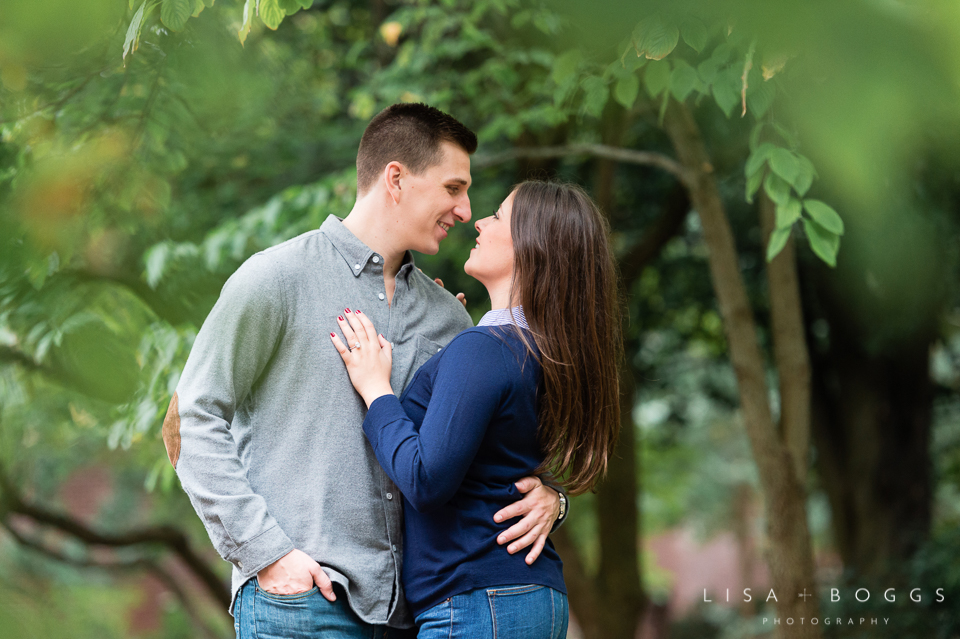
{"x":392,"y":174}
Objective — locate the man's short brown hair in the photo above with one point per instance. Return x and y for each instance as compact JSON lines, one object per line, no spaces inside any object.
{"x":410,"y":134}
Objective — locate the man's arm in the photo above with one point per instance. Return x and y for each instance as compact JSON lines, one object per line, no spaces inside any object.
{"x":231,"y":351}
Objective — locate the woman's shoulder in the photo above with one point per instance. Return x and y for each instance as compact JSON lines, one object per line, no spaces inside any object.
{"x":501,"y":346}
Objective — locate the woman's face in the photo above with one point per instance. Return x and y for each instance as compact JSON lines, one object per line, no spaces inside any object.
{"x":491,"y":260}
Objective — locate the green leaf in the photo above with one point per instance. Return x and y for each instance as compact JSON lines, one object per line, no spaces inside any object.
{"x":755,"y":135}
{"x":520,"y":19}
{"x":596,"y":95}
{"x":757,"y":158}
{"x":726,"y":90}
{"x":630,"y":61}
{"x":655,"y":38}
{"x":694,"y":33}
{"x":753,"y":184}
{"x":290,"y":7}
{"x":708,"y":70}
{"x":787,"y":135}
{"x":824,"y":243}
{"x":627,"y":89}
{"x":175,"y":13}
{"x":788,"y":213}
{"x":563,"y":92}
{"x":785,"y":164}
{"x":760,"y":99}
{"x":271,"y":13}
{"x":682,"y":80}
{"x":824,"y":215}
{"x":778,"y":239}
{"x":248,"y":10}
{"x":777,"y":188}
{"x":722,"y":53}
{"x":656,"y":78}
{"x":132,"y":40}
{"x":566,"y":65}
{"x":805,"y":177}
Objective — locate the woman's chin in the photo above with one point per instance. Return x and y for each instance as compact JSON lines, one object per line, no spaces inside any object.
{"x":469,"y":269}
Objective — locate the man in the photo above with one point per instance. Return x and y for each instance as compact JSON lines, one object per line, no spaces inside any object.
{"x":264,"y":428}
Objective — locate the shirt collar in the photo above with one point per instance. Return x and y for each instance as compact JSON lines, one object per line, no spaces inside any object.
{"x":501,"y":316}
{"x":354,"y":252}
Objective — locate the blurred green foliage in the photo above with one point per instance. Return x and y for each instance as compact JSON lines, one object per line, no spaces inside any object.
{"x":144,"y":154}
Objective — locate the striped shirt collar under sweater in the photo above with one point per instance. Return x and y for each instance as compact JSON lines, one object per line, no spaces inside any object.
{"x":501,"y":316}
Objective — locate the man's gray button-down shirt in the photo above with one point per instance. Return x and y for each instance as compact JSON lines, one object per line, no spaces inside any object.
{"x":272,"y":453}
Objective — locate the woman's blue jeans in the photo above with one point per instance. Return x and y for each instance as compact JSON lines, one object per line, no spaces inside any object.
{"x":503,"y":612}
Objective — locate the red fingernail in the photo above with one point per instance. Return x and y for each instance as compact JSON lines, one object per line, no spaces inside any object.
{"x":348,"y":310}
{"x":340,"y":317}
{"x":359,"y":312}
{"x":332,"y":335}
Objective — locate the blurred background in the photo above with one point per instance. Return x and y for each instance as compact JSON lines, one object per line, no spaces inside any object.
{"x":782,"y":185}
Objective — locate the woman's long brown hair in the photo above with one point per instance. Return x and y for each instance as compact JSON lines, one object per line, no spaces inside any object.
{"x":565,"y":280}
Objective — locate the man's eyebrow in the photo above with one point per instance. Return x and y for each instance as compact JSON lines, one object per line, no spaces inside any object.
{"x":458,"y":181}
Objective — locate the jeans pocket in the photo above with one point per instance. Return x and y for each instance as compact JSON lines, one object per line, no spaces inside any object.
{"x":294,"y":597}
{"x":435,"y":622}
{"x":285,"y":616}
{"x":522,"y":612}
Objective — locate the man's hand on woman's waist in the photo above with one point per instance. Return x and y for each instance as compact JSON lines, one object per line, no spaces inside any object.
{"x":540,"y":507}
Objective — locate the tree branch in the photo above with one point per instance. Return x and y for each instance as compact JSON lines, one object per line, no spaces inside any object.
{"x":141,"y":563}
{"x":664,"y":229}
{"x":627,"y":156}
{"x":167,"y":536}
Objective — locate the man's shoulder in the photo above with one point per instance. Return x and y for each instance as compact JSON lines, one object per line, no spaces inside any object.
{"x":295,"y":248}
{"x":441,"y":299}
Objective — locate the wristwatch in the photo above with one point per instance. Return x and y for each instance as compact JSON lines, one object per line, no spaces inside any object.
{"x":563,"y":506}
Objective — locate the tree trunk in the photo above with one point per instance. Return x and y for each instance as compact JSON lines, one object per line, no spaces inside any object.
{"x":621,"y":595}
{"x":621,"y":599}
{"x":873,"y":413}
{"x":789,"y":345}
{"x":790,"y":556}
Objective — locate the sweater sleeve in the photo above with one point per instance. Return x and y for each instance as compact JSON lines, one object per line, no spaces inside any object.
{"x":429,"y":464}
{"x":232,"y":349}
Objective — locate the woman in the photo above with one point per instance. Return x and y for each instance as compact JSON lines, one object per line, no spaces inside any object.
{"x":532,"y":388}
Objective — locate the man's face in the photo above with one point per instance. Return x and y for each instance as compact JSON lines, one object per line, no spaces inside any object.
{"x":434,"y":201}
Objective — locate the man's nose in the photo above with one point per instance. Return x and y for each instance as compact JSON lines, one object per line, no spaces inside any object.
{"x":462,"y":210}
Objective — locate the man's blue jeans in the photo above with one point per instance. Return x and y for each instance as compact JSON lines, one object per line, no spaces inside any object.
{"x":261,"y":615}
{"x":504,"y":612}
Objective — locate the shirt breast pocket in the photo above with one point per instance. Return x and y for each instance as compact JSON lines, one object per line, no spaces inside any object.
{"x":425,"y":350}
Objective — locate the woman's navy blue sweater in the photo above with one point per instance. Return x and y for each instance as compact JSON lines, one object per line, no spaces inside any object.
{"x":463,"y":432}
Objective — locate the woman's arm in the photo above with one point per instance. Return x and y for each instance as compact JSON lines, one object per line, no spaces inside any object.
{"x":429,"y":464}
{"x":428,"y":480}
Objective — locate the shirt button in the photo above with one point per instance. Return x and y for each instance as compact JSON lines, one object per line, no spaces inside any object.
{"x":376,"y":260}
{"x":356,"y":266}
{"x":240,"y":565}
{"x":381,"y":296}
{"x":394,"y":548}
{"x":389,"y":495}
{"x":439,"y":349}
